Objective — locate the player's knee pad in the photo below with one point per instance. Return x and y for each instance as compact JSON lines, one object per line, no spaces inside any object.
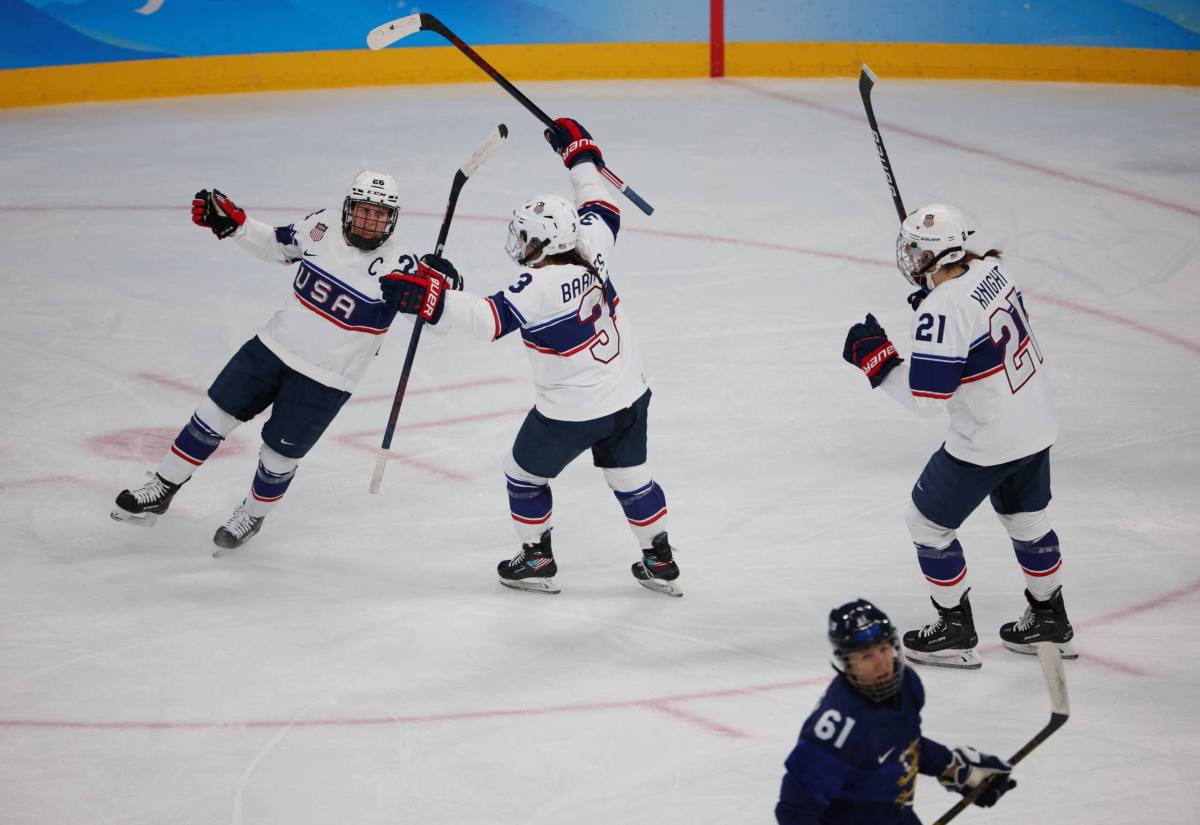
{"x":219,"y":421}
{"x":626,"y":479}
{"x":516,"y":472}
{"x":276,"y":464}
{"x":1025,"y":526}
{"x":926,"y":532}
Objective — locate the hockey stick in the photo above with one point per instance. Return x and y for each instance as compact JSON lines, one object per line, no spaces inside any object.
{"x":1060,"y":710}
{"x":383,"y":36}
{"x":866,"y":82}
{"x":485,"y":150}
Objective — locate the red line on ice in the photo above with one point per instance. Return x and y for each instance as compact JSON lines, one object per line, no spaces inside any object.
{"x":659,"y":702}
{"x":975,"y":150}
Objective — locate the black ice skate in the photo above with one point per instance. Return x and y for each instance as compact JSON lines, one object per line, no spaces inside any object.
{"x":237,"y":530}
{"x":144,"y":505}
{"x":1042,"y":622}
{"x":657,"y":570}
{"x":948,"y":642}
{"x":531,"y":569}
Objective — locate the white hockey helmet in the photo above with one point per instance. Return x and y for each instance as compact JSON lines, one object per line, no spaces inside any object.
{"x":930,"y":238}
{"x":369,"y":228}
{"x":546,"y":225}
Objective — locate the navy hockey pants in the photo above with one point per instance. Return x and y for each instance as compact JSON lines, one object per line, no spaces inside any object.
{"x":255,"y":379}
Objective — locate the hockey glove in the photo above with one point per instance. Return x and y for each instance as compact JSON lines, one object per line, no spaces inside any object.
{"x":421,"y":293}
{"x":868,"y":348}
{"x":217,"y":212}
{"x":573,"y":143}
{"x":444,"y":268}
{"x":915,"y":298}
{"x":970,"y":767}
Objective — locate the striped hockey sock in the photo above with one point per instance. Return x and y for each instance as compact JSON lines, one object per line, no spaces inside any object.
{"x":945,"y":569}
{"x":1040,"y":562}
{"x":646,"y":510}
{"x":531,"y":506}
{"x":191,"y":448}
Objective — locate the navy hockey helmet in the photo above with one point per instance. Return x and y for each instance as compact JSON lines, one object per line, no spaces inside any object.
{"x":369,"y":227}
{"x":859,"y":625}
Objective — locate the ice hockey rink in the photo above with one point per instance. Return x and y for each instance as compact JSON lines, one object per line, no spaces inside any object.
{"x":358,"y":662}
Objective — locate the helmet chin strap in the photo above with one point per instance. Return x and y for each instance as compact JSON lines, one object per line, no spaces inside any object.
{"x":534,"y":250}
{"x":934,"y":265}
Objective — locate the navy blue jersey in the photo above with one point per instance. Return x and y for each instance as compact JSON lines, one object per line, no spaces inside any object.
{"x":857,"y":760}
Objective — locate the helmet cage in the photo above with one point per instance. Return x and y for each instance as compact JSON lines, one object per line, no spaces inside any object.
{"x":858,"y":626}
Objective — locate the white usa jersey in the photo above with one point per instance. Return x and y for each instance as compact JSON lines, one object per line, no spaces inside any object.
{"x":974,"y":349}
{"x":333,"y":324}
{"x":582,"y":350}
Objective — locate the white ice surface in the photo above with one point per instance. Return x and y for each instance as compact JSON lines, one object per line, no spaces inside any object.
{"x":359,"y":663}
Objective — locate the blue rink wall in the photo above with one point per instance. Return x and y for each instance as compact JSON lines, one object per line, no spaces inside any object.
{"x":55,"y":51}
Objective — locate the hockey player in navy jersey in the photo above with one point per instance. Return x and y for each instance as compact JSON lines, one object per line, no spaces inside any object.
{"x":591,"y":393}
{"x":860,"y":751}
{"x":307,"y":359}
{"x":974,"y":354}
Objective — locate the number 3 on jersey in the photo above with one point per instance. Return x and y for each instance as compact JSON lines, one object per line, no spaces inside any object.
{"x":1005,"y":327}
{"x":594,"y":310}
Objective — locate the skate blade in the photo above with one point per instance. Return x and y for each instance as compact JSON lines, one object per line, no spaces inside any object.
{"x":1066,"y":650}
{"x":667,"y":588}
{"x":533,"y":585}
{"x":139,"y":519}
{"x":957,"y":659}
{"x":222,"y":551}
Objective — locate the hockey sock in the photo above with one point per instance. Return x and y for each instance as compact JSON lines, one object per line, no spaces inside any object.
{"x":529,"y":501}
{"x":274,"y":475}
{"x":644,"y":502}
{"x":1040,"y":562}
{"x":1036,"y":545}
{"x":196,"y":441}
{"x":945,"y":569}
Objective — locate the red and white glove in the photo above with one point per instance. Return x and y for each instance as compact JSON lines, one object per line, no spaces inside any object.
{"x":421,"y":293}
{"x":868,"y":348}
{"x":215,"y":211}
{"x":573,"y":143}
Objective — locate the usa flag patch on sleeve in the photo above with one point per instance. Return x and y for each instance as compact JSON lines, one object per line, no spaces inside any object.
{"x":317,"y":232}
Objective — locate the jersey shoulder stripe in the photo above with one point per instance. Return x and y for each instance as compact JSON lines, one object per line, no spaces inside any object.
{"x":604,"y":210}
{"x":505,"y":315}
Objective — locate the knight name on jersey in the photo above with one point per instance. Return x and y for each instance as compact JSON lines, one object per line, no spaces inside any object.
{"x":989,"y":287}
{"x":340,"y":303}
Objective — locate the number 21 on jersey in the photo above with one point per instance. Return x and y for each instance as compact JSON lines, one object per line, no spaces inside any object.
{"x":1005,"y":328}
{"x":595,"y":310}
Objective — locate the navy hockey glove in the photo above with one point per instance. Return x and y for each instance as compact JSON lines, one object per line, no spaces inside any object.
{"x":915,"y":298}
{"x":573,"y":143}
{"x":421,"y":293}
{"x":444,"y":268}
{"x":969,"y":768}
{"x":217,"y":212}
{"x":868,"y":348}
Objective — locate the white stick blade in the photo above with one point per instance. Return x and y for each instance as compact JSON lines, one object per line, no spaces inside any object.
{"x":493,"y":142}
{"x":383,"y":36}
{"x":380,"y":465}
{"x":1056,"y":680}
{"x":870,"y":74}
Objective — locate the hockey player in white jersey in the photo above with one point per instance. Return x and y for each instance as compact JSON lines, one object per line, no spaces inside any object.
{"x":305,"y":362}
{"x":975,"y":354}
{"x":591,"y":393}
